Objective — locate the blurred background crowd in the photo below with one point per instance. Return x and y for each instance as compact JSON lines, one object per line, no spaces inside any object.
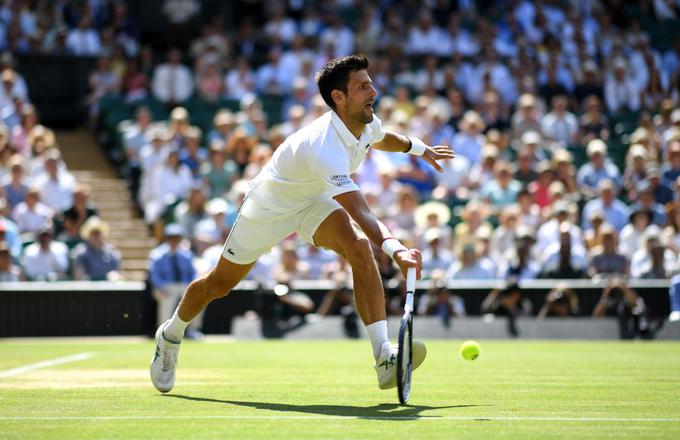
{"x":564,"y":116}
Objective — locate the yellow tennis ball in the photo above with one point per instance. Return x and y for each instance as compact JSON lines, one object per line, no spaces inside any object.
{"x":469,"y":350}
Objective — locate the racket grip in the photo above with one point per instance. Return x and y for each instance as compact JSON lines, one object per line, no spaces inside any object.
{"x":411,"y":279}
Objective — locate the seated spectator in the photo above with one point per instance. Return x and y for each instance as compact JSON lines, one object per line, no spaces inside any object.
{"x":636,"y":170}
{"x":84,"y":40}
{"x":646,"y":202}
{"x":560,"y":302}
{"x":503,"y":237}
{"x":616,"y":213}
{"x":224,"y":125}
{"x":31,"y":214}
{"x":46,"y":259}
{"x":77,"y":214}
{"x":483,"y":172}
{"x":540,"y":187}
{"x":564,"y":259}
{"x":560,"y":125}
{"x":259,"y":157}
{"x":525,"y":173}
{"x":436,"y":257}
{"x":55,"y":183}
{"x":172,"y":81}
{"x":209,"y":82}
{"x":95,"y":259}
{"x":593,"y":123}
{"x":503,"y":190}
{"x":239,"y":147}
{"x":606,"y":260}
{"x":170,"y":182}
{"x":652,"y":259}
{"x":171,"y":270}
{"x":9,"y":232}
{"x":135,"y":83}
{"x":19,"y":134}
{"x":290,"y":264}
{"x":671,"y":234}
{"x":621,"y":93}
{"x":671,"y":170}
{"x":15,"y":187}
{"x":469,"y":265}
{"x":9,"y":272}
{"x":663,"y":194}
{"x":518,"y":263}
{"x":193,"y":155}
{"x":527,"y":118}
{"x":592,"y":238}
{"x":433,"y":215}
{"x":190,"y":212}
{"x":674,"y":293}
{"x":474,"y":216}
{"x":402,"y":214}
{"x":240,"y":80}
{"x":417,"y":174}
{"x":219,"y":173}
{"x":597,"y":169}
{"x":632,"y":233}
{"x":321,"y":262}
{"x":469,"y":140}
{"x":590,"y":86}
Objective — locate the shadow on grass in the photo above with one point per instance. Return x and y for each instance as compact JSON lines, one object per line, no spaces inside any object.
{"x":383,"y":411}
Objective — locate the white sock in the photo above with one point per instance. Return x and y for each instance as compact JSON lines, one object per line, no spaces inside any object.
{"x":378,"y":334}
{"x":174,"y":331}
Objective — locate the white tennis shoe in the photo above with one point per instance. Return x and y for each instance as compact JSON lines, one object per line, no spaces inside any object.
{"x":162,"y":368}
{"x":386,"y":365}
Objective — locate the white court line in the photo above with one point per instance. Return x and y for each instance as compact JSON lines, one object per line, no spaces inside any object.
{"x":45,"y":364}
{"x":331,"y":417}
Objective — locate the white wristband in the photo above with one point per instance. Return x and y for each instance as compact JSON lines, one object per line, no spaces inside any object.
{"x":418,"y":147}
{"x":392,"y":245}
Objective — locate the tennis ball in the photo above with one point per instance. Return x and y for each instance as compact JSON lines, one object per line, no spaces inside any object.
{"x":469,"y":350}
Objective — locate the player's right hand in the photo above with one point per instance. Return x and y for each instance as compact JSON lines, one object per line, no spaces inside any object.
{"x":409,"y":258}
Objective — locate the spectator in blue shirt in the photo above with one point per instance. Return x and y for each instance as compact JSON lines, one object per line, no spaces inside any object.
{"x":95,"y":259}
{"x":674,"y":292}
{"x":672,"y":170}
{"x":616,"y":213}
{"x":592,"y":173}
{"x":646,"y":202}
{"x":171,"y":269}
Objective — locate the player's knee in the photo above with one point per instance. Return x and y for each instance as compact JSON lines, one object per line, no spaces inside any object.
{"x":358,"y":251}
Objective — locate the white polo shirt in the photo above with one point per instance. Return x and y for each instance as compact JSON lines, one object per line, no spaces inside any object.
{"x":313,"y":162}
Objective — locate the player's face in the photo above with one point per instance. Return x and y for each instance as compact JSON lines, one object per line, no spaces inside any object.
{"x":360,"y":97}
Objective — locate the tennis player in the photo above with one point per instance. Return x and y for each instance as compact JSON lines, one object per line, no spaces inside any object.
{"x":306,"y":188}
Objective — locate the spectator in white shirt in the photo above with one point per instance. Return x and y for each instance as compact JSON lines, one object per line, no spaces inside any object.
{"x":83,"y":40}
{"x":172,"y":81}
{"x":279,"y":27}
{"x":169,"y":182}
{"x":55,"y":184}
{"x":424,"y":37}
{"x":31,"y":214}
{"x":46,"y":259}
{"x":560,"y":125}
{"x":240,"y":80}
{"x":436,"y":257}
{"x":340,"y":35}
{"x":469,"y":266}
{"x":469,"y":140}
{"x":272,"y":78}
{"x":621,"y":93}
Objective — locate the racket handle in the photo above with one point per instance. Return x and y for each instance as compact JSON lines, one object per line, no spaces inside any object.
{"x":411,"y":279}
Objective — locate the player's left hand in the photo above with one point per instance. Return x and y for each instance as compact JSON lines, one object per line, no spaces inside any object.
{"x":438,"y":152}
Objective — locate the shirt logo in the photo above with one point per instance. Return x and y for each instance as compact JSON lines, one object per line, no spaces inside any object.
{"x":341,"y":180}
{"x":367,"y":146}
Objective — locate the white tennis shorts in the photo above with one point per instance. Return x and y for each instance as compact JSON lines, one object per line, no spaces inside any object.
{"x":257,"y":229}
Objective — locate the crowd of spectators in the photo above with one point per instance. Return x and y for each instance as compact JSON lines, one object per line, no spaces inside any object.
{"x":564,"y":115}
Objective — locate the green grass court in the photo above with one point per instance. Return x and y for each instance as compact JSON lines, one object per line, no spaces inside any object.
{"x":328,"y":390}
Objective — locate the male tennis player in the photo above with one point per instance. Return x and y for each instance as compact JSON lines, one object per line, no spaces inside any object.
{"x":306,"y":188}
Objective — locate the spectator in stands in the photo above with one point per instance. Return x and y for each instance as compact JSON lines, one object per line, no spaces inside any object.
{"x":525,"y":173}
{"x":55,"y":183}
{"x":671,"y":234}
{"x":606,"y":259}
{"x":560,"y":125}
{"x":211,"y":228}
{"x":636,"y":169}
{"x":219,"y":173}
{"x":540,"y":187}
{"x":621,"y":93}
{"x":469,"y":140}
{"x":615,"y":211}
{"x":239,"y":147}
{"x":599,"y":168}
{"x":171,"y":182}
{"x":193,"y":154}
{"x":15,"y":187}
{"x":240,"y":80}
{"x":674,"y":293}
{"x":9,"y":272}
{"x":560,"y":302}
{"x":482,"y":173}
{"x":470,"y":265}
{"x":647,"y":203}
{"x":45,"y":259}
{"x":19,"y":134}
{"x":290,"y":264}
{"x":76,"y":215}
{"x":9,"y":232}
{"x":671,"y":169}
{"x":272,"y":78}
{"x":503,"y":190}
{"x":518,"y":263}
{"x":436,"y":256}
{"x":593,"y":123}
{"x":84,"y":40}
{"x":31,"y":214}
{"x":171,"y":269}
{"x":172,"y":81}
{"x":95,"y":259}
{"x":190,"y":212}
{"x":103,"y":81}
{"x":526,"y":118}
{"x":632,"y":233}
{"x":209,"y":82}
{"x":135,"y":82}
{"x":663,"y":194}
{"x":652,"y":259}
{"x":565,"y":259}
{"x":590,"y":86}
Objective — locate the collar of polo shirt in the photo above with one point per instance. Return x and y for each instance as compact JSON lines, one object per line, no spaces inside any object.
{"x":345,"y":135}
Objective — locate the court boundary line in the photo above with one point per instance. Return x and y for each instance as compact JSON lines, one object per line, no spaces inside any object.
{"x":45,"y":364}
{"x":357,"y":417}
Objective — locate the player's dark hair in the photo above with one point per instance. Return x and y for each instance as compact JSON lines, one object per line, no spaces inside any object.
{"x":335,"y":75}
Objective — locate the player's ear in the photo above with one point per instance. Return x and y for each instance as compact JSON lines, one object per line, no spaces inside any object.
{"x":338,"y":96}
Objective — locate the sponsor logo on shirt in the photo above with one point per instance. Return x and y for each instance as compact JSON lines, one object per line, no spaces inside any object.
{"x":341,"y":180}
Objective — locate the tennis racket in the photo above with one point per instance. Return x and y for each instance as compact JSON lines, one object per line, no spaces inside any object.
{"x":405,"y":353}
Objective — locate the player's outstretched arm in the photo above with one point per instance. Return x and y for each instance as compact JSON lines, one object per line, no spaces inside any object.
{"x":398,"y":143}
{"x":356,"y":206}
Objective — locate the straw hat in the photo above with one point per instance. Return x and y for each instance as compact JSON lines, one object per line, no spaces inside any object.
{"x":432,"y":208}
{"x":93,"y":224}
